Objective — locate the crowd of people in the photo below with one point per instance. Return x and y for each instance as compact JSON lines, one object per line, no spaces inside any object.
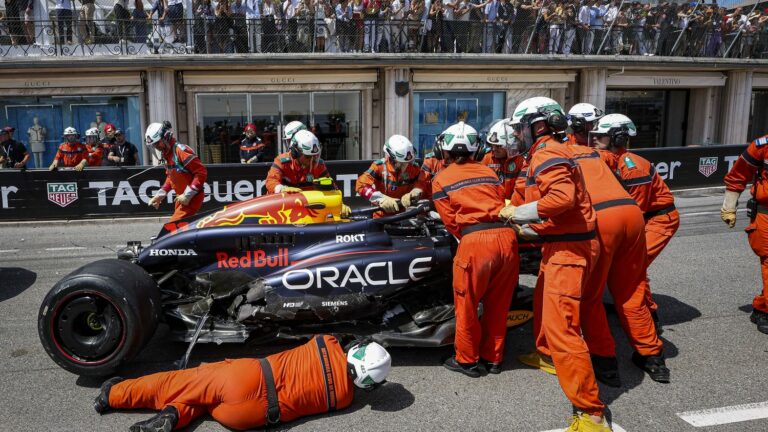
{"x":111,"y":150}
{"x":394,"y":26}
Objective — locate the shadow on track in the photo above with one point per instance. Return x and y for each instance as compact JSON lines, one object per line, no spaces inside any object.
{"x":15,"y":281}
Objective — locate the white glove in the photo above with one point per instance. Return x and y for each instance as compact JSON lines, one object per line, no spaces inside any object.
{"x":157,"y":199}
{"x":411,"y":197}
{"x":81,"y":165}
{"x":728,"y":211}
{"x":345,"y":211}
{"x":388,"y":204}
{"x":183,"y":199}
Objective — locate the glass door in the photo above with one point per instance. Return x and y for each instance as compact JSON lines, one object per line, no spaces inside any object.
{"x":265,"y":114}
{"x":295,"y":106}
{"x":336,"y":122}
{"x":222,"y":118}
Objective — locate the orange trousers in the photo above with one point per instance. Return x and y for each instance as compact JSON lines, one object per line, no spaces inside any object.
{"x":184,"y":211}
{"x":231,"y":391}
{"x":485,"y":269}
{"x":658,"y":232}
{"x":563,"y":275}
{"x":757,"y":232}
{"x":622,"y":265}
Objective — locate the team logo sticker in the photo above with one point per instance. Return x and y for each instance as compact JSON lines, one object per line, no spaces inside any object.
{"x":62,"y":194}
{"x":708,"y":165}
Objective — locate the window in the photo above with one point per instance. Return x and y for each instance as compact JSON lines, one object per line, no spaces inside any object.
{"x":55,"y":113}
{"x":758,"y":115}
{"x":660,"y":115}
{"x":433,"y":112}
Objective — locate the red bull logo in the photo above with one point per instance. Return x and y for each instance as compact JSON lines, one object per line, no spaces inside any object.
{"x":253,"y":259}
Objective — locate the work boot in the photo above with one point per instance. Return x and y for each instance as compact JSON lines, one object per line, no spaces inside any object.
{"x":491,"y":367}
{"x":654,"y":366}
{"x":583,"y":422}
{"x":657,"y":323}
{"x":101,"y":403}
{"x":471,"y":370}
{"x":539,"y":361}
{"x":760,"y":318}
{"x":606,"y":370}
{"x":164,"y":421}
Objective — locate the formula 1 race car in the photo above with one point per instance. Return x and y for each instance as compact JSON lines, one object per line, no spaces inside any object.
{"x":274,"y":267}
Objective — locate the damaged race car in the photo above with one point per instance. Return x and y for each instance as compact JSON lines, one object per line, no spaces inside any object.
{"x":282,"y":266}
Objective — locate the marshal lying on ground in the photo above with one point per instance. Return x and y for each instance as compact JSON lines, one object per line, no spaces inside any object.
{"x":278,"y":266}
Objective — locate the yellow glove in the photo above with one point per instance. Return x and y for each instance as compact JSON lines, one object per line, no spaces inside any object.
{"x":729,"y":217}
{"x":290,"y":190}
{"x":182,"y":199}
{"x":507,"y":213}
{"x":345,"y":211}
{"x":388,"y":204}
{"x":411,"y":197}
{"x":155,"y":201}
{"x":54,"y":166}
{"x":524,"y":232}
{"x":81,"y":165}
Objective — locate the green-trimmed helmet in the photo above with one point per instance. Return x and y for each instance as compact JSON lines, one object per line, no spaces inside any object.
{"x":399,"y":149}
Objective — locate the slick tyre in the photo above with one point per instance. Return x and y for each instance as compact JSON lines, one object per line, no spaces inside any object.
{"x":99,"y":316}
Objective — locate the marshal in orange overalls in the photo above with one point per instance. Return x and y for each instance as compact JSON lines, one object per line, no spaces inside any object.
{"x":382,"y":177}
{"x":184,"y":169}
{"x":621,"y":264}
{"x":469,"y":197}
{"x":555,"y":183}
{"x":429,"y":169}
{"x":652,"y":195}
{"x":287,"y":171}
{"x":234,"y":391}
{"x":507,"y":170}
{"x":750,"y":168}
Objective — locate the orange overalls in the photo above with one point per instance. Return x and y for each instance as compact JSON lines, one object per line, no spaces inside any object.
{"x":308,"y":379}
{"x":749,"y":167}
{"x":506,"y":169}
{"x":288,"y":171}
{"x":382,"y":177}
{"x":95,"y":154}
{"x":469,"y":197}
{"x":652,"y":195}
{"x":621,"y":264}
{"x":569,"y":252}
{"x":429,"y":169}
{"x":183,"y":169}
{"x":71,"y":154}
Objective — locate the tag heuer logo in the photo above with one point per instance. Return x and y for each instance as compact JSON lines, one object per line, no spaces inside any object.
{"x":708,"y":165}
{"x":62,"y":194}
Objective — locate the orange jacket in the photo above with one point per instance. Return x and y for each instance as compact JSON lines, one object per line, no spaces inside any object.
{"x":467,"y":194}
{"x":305,"y":386}
{"x":643,"y":183}
{"x":71,"y":154}
{"x":556,"y":183}
{"x":602,"y":185}
{"x":183,"y":169}
{"x":607,"y":157}
{"x":506,"y":169}
{"x":95,"y":154}
{"x":745,"y":168}
{"x":382,"y":177}
{"x":288,"y":171}
{"x":429,"y":169}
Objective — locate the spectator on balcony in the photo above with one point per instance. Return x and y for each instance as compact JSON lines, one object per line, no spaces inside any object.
{"x":398,"y":25}
{"x":343,"y":25}
{"x":122,"y":19}
{"x":204,"y":19}
{"x":174,"y":14}
{"x":383,"y":29}
{"x":637,"y":16}
{"x":505,"y":21}
{"x":448,"y":36}
{"x":221,"y":27}
{"x":490,"y":12}
{"x":13,"y":12}
{"x":435,"y":20}
{"x":253,"y":23}
{"x":270,"y":15}
{"x":305,"y":14}
{"x":357,"y":25}
{"x":321,"y":9}
{"x":554,"y":16}
{"x":371,"y":10}
{"x":29,"y":20}
{"x":63,"y":11}
{"x":613,"y":41}
{"x":291,"y":24}
{"x":86,"y":27}
{"x":596,"y":23}
{"x":570,"y":24}
{"x":239,"y":10}
{"x":139,"y":29}
{"x":585,"y":30}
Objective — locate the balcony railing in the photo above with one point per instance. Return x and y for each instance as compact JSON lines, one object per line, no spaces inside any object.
{"x":227,"y":34}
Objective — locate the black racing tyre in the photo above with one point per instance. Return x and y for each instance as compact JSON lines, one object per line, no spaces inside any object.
{"x":99,"y":316}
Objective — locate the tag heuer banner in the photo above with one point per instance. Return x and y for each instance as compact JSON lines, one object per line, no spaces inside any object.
{"x":106,"y":192}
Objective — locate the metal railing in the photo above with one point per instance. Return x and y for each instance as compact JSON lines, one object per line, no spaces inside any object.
{"x":236,"y":34}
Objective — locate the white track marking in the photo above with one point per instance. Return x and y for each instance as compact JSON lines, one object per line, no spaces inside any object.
{"x":8,"y":250}
{"x":616,"y":428}
{"x":708,"y":213}
{"x":726,"y":415}
{"x":65,"y":248}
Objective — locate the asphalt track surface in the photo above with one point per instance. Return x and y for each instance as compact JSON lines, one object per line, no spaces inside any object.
{"x":703,"y":282}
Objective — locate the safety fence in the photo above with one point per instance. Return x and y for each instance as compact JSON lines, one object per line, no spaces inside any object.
{"x":315,"y":26}
{"x":125,"y":192}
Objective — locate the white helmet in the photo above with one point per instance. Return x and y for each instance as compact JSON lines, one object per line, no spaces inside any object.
{"x":399,"y":149}
{"x":531,"y":111}
{"x":92,"y":132}
{"x":304,"y":142}
{"x":500,"y":133}
{"x":460,"y":137}
{"x":369,"y":364}
{"x":291,"y":128}
{"x":155,"y":132}
{"x":70,"y":131}
{"x":616,"y":126}
{"x":585,"y":111}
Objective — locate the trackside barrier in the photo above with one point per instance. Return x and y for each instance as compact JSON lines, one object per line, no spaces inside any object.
{"x":106,"y":192}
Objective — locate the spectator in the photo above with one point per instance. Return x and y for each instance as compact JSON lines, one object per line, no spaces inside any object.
{"x":570,"y":24}
{"x":597,"y":12}
{"x":29,"y":21}
{"x":108,"y":141}
{"x":204,"y":19}
{"x":504,"y":23}
{"x":63,"y":10}
{"x":269,"y":16}
{"x":139,"y":22}
{"x":357,"y":25}
{"x":613,"y":41}
{"x":253,"y":23}
{"x":343,"y":25}
{"x":222,"y":23}
{"x":435,"y":19}
{"x":461,"y":25}
{"x":238,"y":10}
{"x":292,"y":26}
{"x":174,"y":14}
{"x":585,"y":30}
{"x":13,"y":10}
{"x":123,"y":153}
{"x":371,"y":10}
{"x":160,"y":31}
{"x":553,"y":16}
{"x":122,"y":19}
{"x":489,"y":25}
{"x":13,"y":154}
{"x":321,"y":28}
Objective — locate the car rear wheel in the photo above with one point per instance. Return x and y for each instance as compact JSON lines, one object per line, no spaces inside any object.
{"x":99,"y":316}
